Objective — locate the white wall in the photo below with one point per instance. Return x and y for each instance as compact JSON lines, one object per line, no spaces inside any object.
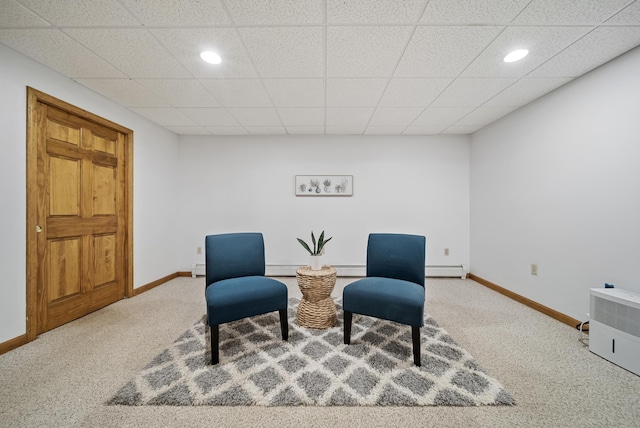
{"x":557,"y":184}
{"x":155,"y":213}
{"x":414,"y":185}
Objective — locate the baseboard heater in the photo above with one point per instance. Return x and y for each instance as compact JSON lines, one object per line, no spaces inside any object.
{"x":435,"y":271}
{"x":614,"y":327}
{"x":198,"y":269}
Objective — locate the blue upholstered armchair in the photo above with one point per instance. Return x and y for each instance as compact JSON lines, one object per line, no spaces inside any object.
{"x":236,"y":287}
{"x":394,"y":286}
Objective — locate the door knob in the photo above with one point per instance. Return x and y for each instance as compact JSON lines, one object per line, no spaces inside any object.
{"x":38,"y":228}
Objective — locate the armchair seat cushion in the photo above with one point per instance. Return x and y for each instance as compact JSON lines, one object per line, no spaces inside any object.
{"x":387,"y":298}
{"x":236,"y":298}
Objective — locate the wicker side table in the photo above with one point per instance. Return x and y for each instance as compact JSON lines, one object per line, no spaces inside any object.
{"x":316,"y":309}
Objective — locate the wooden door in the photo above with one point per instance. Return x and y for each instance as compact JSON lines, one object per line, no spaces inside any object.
{"x":81,"y":225}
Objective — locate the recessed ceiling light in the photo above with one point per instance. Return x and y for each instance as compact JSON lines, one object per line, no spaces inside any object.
{"x":211,"y":57}
{"x":516,"y":55}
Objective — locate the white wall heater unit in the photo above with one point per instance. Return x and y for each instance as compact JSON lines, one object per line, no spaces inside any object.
{"x":198,"y":269}
{"x":614,"y":327}
{"x":446,"y":271}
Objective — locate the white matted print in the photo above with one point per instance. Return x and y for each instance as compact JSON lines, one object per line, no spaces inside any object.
{"x":324,"y":185}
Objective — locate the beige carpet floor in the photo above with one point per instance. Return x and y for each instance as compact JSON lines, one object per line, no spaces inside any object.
{"x":63,"y":378}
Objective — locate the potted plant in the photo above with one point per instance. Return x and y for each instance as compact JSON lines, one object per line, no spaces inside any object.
{"x":317,"y":251}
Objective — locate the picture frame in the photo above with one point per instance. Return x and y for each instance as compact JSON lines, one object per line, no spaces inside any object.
{"x":324,"y":185}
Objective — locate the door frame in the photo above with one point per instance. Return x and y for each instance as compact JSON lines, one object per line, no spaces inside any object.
{"x":33,"y":98}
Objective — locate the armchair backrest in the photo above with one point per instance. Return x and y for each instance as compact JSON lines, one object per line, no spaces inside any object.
{"x":233,"y":255}
{"x":398,"y":256}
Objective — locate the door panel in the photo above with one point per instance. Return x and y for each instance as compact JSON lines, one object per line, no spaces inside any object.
{"x":105,"y":251}
{"x":64,"y":268}
{"x":64,"y":186}
{"x":104,"y":190}
{"x":66,"y":133}
{"x":103,"y":144}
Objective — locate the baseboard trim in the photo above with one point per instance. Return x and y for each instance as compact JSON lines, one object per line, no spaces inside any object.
{"x":149,"y":286}
{"x":12,"y":344}
{"x":185,"y":273}
{"x":559,"y":316}
{"x":16,"y":342}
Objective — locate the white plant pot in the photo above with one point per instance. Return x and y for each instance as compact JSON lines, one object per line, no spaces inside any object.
{"x":316,"y":262}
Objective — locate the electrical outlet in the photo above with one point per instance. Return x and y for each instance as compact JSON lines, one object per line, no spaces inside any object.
{"x":534,"y":269}
{"x":199,"y":250}
{"x":446,"y":251}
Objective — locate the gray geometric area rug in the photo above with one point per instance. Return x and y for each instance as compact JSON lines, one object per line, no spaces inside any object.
{"x":314,"y":367}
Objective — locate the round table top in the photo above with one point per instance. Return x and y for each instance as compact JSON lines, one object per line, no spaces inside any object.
{"x":307,"y":271}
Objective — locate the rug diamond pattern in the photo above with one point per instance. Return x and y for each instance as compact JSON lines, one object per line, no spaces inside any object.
{"x":313,"y":367}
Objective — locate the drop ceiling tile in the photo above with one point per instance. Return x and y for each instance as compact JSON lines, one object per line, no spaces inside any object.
{"x":374,"y":11}
{"x":266,"y":130}
{"x":628,"y":16}
{"x":305,"y":130}
{"x":354,"y":92}
{"x":384,"y":130}
{"x":256,"y":117}
{"x":180,"y":92}
{"x":365,"y":51}
{"x":126,"y":92}
{"x":484,"y":115}
{"x":165,"y":116}
{"x":59,"y":52}
{"x":542,"y":43}
{"x":301,"y":116}
{"x":285,"y":51}
{"x":564,"y":12}
{"x":599,"y":46}
{"x":210,"y":117}
{"x":227,"y":130}
{"x":238,"y":92}
{"x":186,"y":44}
{"x":526,"y":90}
{"x":275,"y":11}
{"x":178,"y":12}
{"x":436,"y":119}
{"x":296,"y":92}
{"x":471,"y":92}
{"x":444,"y":51}
{"x":394,"y":116}
{"x":472,"y":11}
{"x":188,"y":130}
{"x":83,"y":13}
{"x":413,"y":92}
{"x":15,"y":15}
{"x":349,"y":120}
{"x":133,"y":51}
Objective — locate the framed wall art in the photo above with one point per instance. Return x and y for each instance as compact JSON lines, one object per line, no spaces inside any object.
{"x":324,"y":185}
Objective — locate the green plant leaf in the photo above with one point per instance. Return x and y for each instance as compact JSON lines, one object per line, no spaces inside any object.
{"x":320,"y":247}
{"x":313,"y":239}
{"x":304,"y":244}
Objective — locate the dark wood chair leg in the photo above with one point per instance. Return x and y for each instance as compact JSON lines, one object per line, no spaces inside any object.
{"x":284,"y":324}
{"x":415,"y":336}
{"x":215,"y":356}
{"x":348,"y":317}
